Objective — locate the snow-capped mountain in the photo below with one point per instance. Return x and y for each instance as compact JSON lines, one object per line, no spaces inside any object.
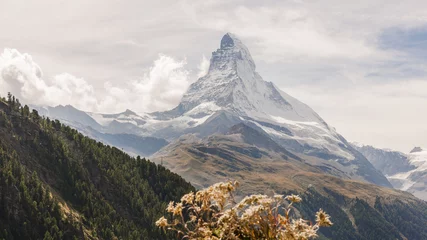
{"x":406,"y":172}
{"x":232,"y":84}
{"x":119,"y":130}
{"x":415,"y":180}
{"x":125,"y":122}
{"x":232,"y":92}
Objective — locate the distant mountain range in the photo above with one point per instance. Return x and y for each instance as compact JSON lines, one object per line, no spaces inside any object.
{"x":405,"y":171}
{"x":120,"y":130}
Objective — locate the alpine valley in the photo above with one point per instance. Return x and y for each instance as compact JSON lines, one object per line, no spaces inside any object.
{"x":231,"y":124}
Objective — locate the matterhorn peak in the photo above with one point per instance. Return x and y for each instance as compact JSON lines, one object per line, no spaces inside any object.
{"x":232,"y":55}
{"x":227,"y":41}
{"x":233,"y":85}
{"x":230,"y":41}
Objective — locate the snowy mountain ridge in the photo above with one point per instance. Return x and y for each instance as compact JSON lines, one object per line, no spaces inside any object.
{"x":405,"y":171}
{"x":409,"y":179}
{"x":233,"y":84}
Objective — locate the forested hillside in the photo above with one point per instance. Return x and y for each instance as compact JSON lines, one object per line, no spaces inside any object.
{"x":56,"y":183}
{"x":360,"y":210}
{"x":357,"y":219}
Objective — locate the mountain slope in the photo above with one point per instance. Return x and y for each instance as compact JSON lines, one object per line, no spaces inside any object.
{"x":360,"y":210}
{"x":68,"y":114}
{"x":130,"y":143}
{"x":406,"y":172}
{"x":23,"y":199}
{"x":93,"y":191}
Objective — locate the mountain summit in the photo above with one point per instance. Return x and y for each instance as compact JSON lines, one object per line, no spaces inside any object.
{"x":233,"y":84}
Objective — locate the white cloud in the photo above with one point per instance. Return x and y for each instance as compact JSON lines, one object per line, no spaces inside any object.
{"x":20,"y":74}
{"x":160,"y":88}
{"x":203,"y":67}
{"x":68,"y":89}
{"x":24,"y":78}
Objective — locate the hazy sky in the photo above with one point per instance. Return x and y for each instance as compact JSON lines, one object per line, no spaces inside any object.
{"x":362,"y":65}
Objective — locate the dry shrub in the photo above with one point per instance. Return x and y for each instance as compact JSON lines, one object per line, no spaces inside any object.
{"x":212,"y":213}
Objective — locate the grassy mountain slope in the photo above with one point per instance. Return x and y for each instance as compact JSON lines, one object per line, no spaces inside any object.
{"x":359,"y":209}
{"x":57,"y":183}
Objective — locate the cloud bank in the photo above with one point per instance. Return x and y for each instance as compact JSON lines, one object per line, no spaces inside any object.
{"x":20,"y":75}
{"x":160,"y":88}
